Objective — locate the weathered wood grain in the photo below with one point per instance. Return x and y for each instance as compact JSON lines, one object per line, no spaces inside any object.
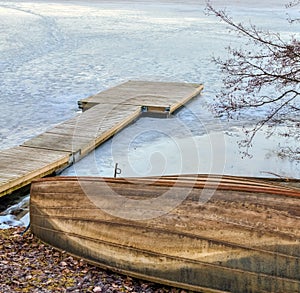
{"x":145,"y":93}
{"x":238,"y":241}
{"x":20,"y":165}
{"x":71,"y":140}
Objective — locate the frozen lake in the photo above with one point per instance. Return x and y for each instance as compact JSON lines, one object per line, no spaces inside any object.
{"x":55,"y":53}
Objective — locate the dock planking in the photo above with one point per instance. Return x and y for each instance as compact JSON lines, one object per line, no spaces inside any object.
{"x":20,"y":165}
{"x":104,"y":114}
{"x":152,"y":94}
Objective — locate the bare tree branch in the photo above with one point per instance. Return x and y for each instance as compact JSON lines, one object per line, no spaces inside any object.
{"x":264,"y":73}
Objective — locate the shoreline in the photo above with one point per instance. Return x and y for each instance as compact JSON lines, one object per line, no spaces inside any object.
{"x":29,"y":265}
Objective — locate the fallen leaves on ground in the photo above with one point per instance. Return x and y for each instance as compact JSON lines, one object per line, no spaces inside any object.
{"x":28,"y":265}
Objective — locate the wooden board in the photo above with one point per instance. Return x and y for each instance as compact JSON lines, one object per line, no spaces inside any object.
{"x":86,"y":131}
{"x":144,"y":93}
{"x":20,"y":165}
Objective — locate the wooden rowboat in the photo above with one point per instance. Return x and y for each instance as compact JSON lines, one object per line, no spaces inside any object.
{"x":198,"y":232}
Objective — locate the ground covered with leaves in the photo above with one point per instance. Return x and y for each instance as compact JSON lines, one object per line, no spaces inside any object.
{"x":28,"y":265}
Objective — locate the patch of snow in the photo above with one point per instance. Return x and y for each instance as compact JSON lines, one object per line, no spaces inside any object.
{"x":10,"y":221}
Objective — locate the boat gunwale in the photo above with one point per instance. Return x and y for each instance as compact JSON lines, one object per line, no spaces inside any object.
{"x":182,"y":176}
{"x":233,"y":183}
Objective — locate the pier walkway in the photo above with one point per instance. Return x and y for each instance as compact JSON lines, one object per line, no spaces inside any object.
{"x":104,"y":114}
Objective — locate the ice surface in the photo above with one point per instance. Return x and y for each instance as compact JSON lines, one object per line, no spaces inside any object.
{"x":141,"y":150}
{"x":55,"y":53}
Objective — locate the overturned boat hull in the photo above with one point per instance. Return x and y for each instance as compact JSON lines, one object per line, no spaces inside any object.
{"x":198,"y":232}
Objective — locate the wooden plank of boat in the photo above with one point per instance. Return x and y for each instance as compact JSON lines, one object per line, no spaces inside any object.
{"x":238,"y":241}
{"x":214,"y":182}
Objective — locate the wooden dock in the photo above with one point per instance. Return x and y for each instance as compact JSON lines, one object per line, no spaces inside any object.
{"x":103,"y":115}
